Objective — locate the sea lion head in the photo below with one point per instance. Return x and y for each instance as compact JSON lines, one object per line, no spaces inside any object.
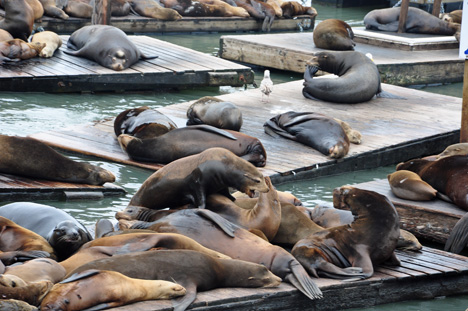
{"x":256,"y":154}
{"x":38,"y":46}
{"x":67,"y":238}
{"x":255,"y":274}
{"x":117,"y":59}
{"x":132,"y":212}
{"x":99,"y":176}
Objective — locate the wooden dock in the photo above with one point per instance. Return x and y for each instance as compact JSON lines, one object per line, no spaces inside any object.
{"x":291,"y":51}
{"x":429,"y":220}
{"x":393,"y":130}
{"x":176,"y":67}
{"x":21,"y":188}
{"x":422,"y":275}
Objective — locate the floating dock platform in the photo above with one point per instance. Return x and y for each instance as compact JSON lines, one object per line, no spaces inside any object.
{"x":175,"y":67}
{"x":402,"y":59}
{"x":393,"y":130}
{"x":422,"y":275}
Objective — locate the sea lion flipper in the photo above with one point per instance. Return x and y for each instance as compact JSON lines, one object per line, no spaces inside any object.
{"x":100,"y":306}
{"x":458,"y":238}
{"x":80,"y":275}
{"x":385,"y":94}
{"x":392,"y":27}
{"x":228,"y":227}
{"x":180,"y":304}
{"x":212,"y":129}
{"x":143,"y":56}
{"x":302,"y":281}
{"x":272,"y":129}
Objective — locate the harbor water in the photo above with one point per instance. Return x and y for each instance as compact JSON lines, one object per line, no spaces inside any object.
{"x":27,"y":113}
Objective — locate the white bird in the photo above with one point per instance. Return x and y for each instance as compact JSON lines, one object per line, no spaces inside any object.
{"x":266,"y":86}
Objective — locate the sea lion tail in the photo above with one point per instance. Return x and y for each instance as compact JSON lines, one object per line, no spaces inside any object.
{"x":80,"y":275}
{"x":458,"y":238}
{"x":302,"y":281}
{"x":143,"y":56}
{"x":384,"y":94}
{"x":182,"y":303}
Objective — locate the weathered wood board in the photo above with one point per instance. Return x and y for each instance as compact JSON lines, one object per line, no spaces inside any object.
{"x":423,"y":275}
{"x":175,"y":67}
{"x":14,"y":187}
{"x":430,"y":220}
{"x":393,"y":130}
{"x":291,"y":51}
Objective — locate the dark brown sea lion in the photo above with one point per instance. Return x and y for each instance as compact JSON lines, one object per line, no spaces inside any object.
{"x":315,"y":130}
{"x":458,"y":238}
{"x":153,"y":9}
{"x":409,"y":185}
{"x":448,"y":175}
{"x":35,"y":270}
{"x":215,"y":232}
{"x":294,"y":8}
{"x":31,"y":293}
{"x":107,"y":45}
{"x":16,"y":49}
{"x":191,"y":179}
{"x":417,"y":21}
{"x":334,"y":34}
{"x":51,"y":40}
{"x":29,"y":157}
{"x":142,"y":123}
{"x":193,"y":270}
{"x":19,"y":18}
{"x":351,"y":251}
{"x":51,"y":9}
{"x":191,"y":140}
{"x":63,"y":232}
{"x":20,"y":244}
{"x":215,"y":112}
{"x":358,"y":81}
{"x":106,"y":289}
{"x":452,"y":17}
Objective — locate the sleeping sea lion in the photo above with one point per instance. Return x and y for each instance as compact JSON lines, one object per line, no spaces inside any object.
{"x":193,"y":270}
{"x":191,"y":179}
{"x":32,"y":294}
{"x":229,"y":10}
{"x":215,"y":112}
{"x":35,"y":270}
{"x":354,"y":136}
{"x":409,"y":185}
{"x":191,"y":140}
{"x":107,"y":45}
{"x":259,"y":10}
{"x":79,"y":8}
{"x":63,"y":232}
{"x":351,"y":251}
{"x":19,"y":19}
{"x":106,"y":289}
{"x":312,"y":129}
{"x":36,"y":5}
{"x":294,"y":8}
{"x":458,"y":238}
{"x":455,"y":149}
{"x":333,"y":34}
{"x":51,"y":40}
{"x":29,"y":157}
{"x":51,"y":9}
{"x":153,"y":9}
{"x":16,"y":49}
{"x":452,"y":17}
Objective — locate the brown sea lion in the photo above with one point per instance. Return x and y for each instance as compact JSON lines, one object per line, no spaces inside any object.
{"x":118,"y":7}
{"x":113,"y":289}
{"x":312,"y":129}
{"x":32,"y":294}
{"x":294,"y":8}
{"x":29,"y":157}
{"x":215,"y":112}
{"x":229,"y":10}
{"x":20,"y":244}
{"x":354,"y":136}
{"x":334,"y":34}
{"x":447,"y":175}
{"x":193,"y":270}
{"x":215,"y":232}
{"x":51,"y":9}
{"x":16,"y":305}
{"x":259,"y":10}
{"x":191,"y":179}
{"x":452,"y":17}
{"x":458,"y":238}
{"x":63,"y":232}
{"x":5,"y":35}
{"x":417,"y":21}
{"x":409,"y":185}
{"x":35,"y":270}
{"x":153,"y":9}
{"x":107,"y":45}
{"x":19,"y":18}
{"x":17,"y":49}
{"x":80,"y":9}
{"x":276,"y":5}
{"x":142,"y":123}
{"x":351,"y":251}
{"x":51,"y":40}
{"x":36,"y":5}
{"x":455,"y":149}
{"x":191,"y":140}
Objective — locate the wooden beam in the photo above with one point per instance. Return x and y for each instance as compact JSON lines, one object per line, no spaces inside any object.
{"x":464,"y":119}
{"x":403,"y":16}
{"x":101,"y":13}
{"x":436,"y":8}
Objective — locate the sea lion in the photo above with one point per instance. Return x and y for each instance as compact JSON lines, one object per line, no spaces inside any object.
{"x":229,"y":10}
{"x":417,"y":21}
{"x":358,"y":81}
{"x":16,"y":49}
{"x":19,"y":19}
{"x":37,"y":8}
{"x":276,"y":5}
{"x":118,"y":7}
{"x":63,"y":232}
{"x":35,"y":270}
{"x":20,"y":244}
{"x":458,"y":238}
{"x":193,"y":270}
{"x":312,"y":129}
{"x":333,"y":34}
{"x":191,"y":140}
{"x":447,"y":175}
{"x":80,"y":9}
{"x":294,"y":8}
{"x":113,"y":289}
{"x":51,"y":9}
{"x":452,"y":17}
{"x":191,"y":179}
{"x":455,"y":149}
{"x":153,"y":9}
{"x":215,"y":112}
{"x":29,"y":157}
{"x":107,"y":45}
{"x":354,"y":136}
{"x":16,"y":305}
{"x":351,"y":251}
{"x":217,"y":233}
{"x":409,"y":185}
{"x":32,"y":294}
{"x":259,"y":10}
{"x":142,"y":123}
{"x":5,"y":35}
{"x":51,"y":40}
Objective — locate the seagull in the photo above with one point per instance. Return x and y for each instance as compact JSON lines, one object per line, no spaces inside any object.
{"x":266,"y":85}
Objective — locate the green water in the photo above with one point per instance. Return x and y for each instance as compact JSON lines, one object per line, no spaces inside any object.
{"x":28,"y":113}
